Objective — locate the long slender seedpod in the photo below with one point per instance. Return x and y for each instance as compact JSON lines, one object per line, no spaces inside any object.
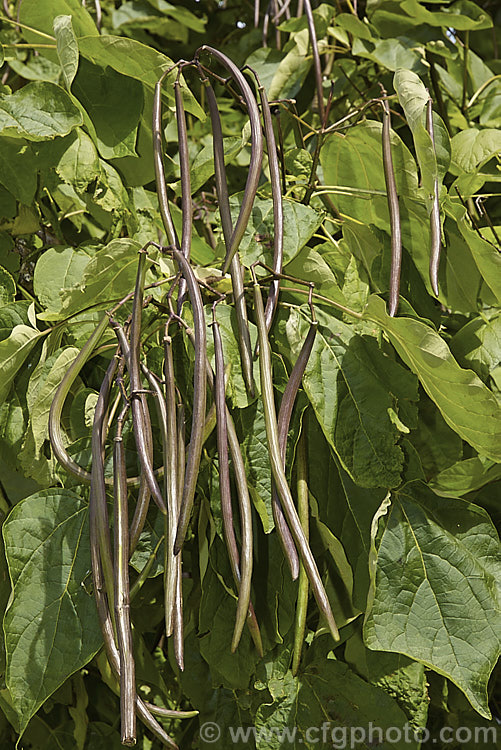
{"x":277,"y":468}
{"x":243,"y":495}
{"x":172,"y":483}
{"x":163,"y":199}
{"x":435,"y":232}
{"x":237,"y":280}
{"x":140,"y":514}
{"x":278,"y":211}
{"x":99,"y":528}
{"x":186,"y":204}
{"x":98,"y":486}
{"x":122,"y":600}
{"x":137,"y":403}
{"x":178,"y":623}
{"x":244,"y":581}
{"x":143,"y":499}
{"x":316,"y":57}
{"x":303,"y":512}
{"x":256,"y":151}
{"x":394,"y":209}
{"x":56,"y":408}
{"x":171,"y":435}
{"x":106,"y":624}
{"x":199,"y":400}
{"x":283,"y":422}
{"x":281,"y":11}
{"x":281,"y":150}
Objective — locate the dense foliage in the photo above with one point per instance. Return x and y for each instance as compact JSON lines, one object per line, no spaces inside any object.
{"x":399,"y":416}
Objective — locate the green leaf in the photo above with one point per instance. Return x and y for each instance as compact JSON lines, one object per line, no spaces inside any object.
{"x":203,"y":164}
{"x":477,"y":345}
{"x":403,"y":679}
{"x":114,"y":103}
{"x":67,"y":264}
{"x":79,"y":163}
{"x":216,"y":627}
{"x":226,"y":318}
{"x":354,"y":25}
{"x":465,"y":476}
{"x":41,"y":16}
{"x":353,"y":387}
{"x":13,"y":352}
{"x":327,"y":703}
{"x":183,"y":15}
{"x":42,"y":387}
{"x":485,"y":254}
{"x":7,"y":287}
{"x":257,"y":461}
{"x":353,"y":170}
{"x":136,"y":60}
{"x":472,"y":148}
{"x":38,"y":111}
{"x":392,"y":54}
{"x":5,"y":592}
{"x":350,"y":517}
{"x":438,"y":446}
{"x":12,"y":315}
{"x":108,"y":276}
{"x":313,"y":266}
{"x":433,"y":159}
{"x":461,"y":15}
{"x":67,"y":48}
{"x":433,"y":595}
{"x":466,"y":404}
{"x":51,"y":627}
{"x":290,"y":74}
{"x":18,"y":170}
{"x":300,"y":222}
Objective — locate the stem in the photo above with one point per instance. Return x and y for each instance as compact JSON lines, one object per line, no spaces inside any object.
{"x":31,"y":46}
{"x":477,"y":93}
{"x":28,"y":28}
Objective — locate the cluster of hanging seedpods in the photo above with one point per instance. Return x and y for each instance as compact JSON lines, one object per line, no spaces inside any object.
{"x":173,"y":486}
